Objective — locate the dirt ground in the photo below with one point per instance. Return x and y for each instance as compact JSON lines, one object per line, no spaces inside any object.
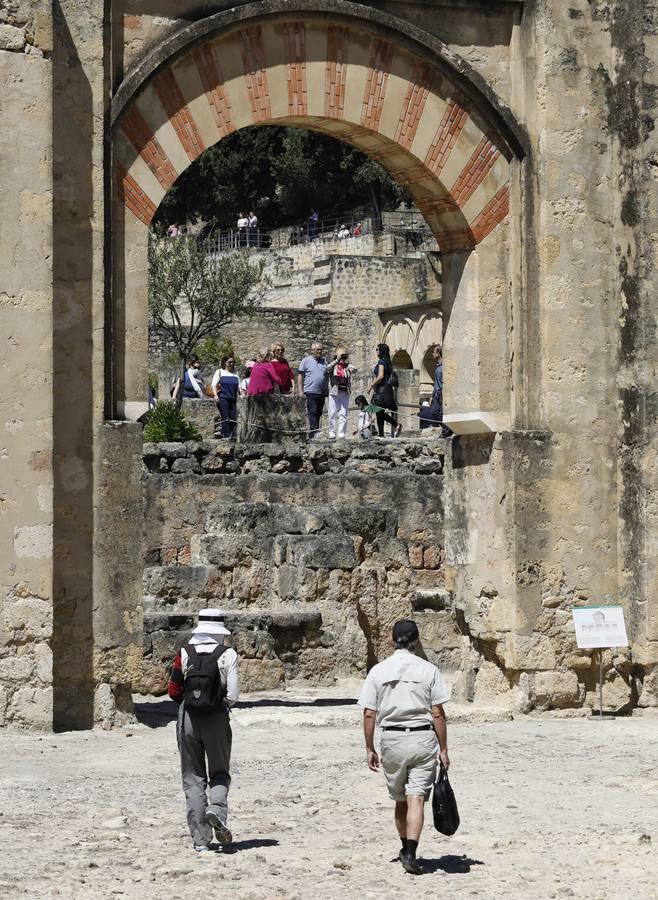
{"x":550,"y":808}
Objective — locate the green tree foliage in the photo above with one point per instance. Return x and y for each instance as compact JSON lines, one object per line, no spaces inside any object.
{"x":279,"y":173}
{"x":192,"y":296}
{"x":211,"y":351}
{"x":165,"y":422}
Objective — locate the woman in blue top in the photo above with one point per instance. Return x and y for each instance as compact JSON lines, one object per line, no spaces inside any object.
{"x":383,"y":394}
{"x":225,"y":388}
{"x":192,"y":385}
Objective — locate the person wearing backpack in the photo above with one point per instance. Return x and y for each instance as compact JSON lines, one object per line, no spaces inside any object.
{"x":204,"y":682}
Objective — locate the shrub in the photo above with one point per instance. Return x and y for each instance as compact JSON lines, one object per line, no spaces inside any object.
{"x":165,"y":422}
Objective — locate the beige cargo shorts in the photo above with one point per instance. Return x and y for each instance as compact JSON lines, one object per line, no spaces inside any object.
{"x":409,"y":762}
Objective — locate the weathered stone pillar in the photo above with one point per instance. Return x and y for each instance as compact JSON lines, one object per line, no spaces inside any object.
{"x":203,"y":415}
{"x":26,"y":388}
{"x":79,"y":99}
{"x":118,"y":569}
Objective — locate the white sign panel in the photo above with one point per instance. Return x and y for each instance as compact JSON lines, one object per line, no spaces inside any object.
{"x":599,"y":626}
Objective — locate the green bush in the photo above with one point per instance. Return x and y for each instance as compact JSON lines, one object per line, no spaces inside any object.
{"x":167,"y":423}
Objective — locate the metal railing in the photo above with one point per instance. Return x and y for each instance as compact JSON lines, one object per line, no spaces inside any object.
{"x":308,"y":231}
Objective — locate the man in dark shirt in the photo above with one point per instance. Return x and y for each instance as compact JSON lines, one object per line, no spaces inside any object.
{"x":437,"y":392}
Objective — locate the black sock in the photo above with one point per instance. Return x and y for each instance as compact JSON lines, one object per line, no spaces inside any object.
{"x":403,"y":841}
{"x":412,"y":846}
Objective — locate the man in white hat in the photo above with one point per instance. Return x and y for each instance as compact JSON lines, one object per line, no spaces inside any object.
{"x":204,"y":681}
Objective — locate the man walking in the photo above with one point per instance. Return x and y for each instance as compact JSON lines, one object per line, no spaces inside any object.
{"x":312,"y":382}
{"x":405,"y":694}
{"x":204,"y":681}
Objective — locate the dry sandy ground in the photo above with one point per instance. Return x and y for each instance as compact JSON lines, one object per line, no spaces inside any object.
{"x":550,"y":808}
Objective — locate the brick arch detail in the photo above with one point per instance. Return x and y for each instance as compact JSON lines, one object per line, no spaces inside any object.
{"x":341,"y":80}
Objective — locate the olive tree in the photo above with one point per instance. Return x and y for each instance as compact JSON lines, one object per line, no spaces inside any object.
{"x":193,"y":295}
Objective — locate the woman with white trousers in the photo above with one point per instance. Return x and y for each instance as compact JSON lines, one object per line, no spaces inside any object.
{"x":340,"y":373}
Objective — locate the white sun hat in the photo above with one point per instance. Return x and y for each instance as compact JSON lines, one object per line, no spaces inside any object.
{"x":211,"y":621}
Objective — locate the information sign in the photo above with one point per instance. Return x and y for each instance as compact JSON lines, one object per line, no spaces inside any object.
{"x":599,"y":627}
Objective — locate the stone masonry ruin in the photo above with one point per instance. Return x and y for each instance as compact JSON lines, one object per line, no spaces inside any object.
{"x":383,"y":286}
{"x":524,"y":132}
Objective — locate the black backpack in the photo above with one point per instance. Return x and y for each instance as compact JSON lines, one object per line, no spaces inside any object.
{"x":203,"y":691}
{"x":393,"y":380}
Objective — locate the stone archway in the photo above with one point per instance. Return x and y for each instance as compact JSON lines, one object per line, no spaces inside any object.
{"x":406,"y":103}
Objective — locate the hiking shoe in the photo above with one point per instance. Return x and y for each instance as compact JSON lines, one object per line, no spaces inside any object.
{"x":410,"y":863}
{"x":222,"y":833}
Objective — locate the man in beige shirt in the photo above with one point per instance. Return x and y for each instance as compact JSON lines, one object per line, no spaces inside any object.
{"x":404,"y":695}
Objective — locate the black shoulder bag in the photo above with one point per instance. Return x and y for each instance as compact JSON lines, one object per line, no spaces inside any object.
{"x":444,"y":805}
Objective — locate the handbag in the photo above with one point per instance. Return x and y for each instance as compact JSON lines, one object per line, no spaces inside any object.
{"x":444,"y":805}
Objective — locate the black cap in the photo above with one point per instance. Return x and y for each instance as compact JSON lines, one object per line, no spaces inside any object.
{"x":405,"y":631}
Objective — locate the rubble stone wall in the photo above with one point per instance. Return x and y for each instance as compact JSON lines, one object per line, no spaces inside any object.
{"x":316,"y":550}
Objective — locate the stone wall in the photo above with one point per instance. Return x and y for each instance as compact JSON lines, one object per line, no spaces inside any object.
{"x":550,"y":321}
{"x":26,"y":330}
{"x":339,"y":540}
{"x":371,"y":271}
{"x":357,"y":330}
{"x":378,"y":283}
{"x":314,"y":551}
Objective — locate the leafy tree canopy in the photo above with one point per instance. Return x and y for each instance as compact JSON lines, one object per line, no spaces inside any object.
{"x":191,"y":296}
{"x":279,"y":173}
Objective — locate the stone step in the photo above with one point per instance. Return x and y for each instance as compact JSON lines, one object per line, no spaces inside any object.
{"x":239,"y":620}
{"x":433,"y":599}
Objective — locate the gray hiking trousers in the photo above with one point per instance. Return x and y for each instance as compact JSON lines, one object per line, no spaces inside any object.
{"x":204,"y":739}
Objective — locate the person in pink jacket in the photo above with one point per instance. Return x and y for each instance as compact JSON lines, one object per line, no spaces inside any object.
{"x":264,"y":378}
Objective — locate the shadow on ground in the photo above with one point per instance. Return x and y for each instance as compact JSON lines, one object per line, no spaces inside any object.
{"x":451,"y":865}
{"x":161,"y":713}
{"x":253,"y":844}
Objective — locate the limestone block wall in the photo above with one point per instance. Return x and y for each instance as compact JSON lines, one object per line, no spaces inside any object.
{"x":358,"y":535}
{"x":339,"y":540}
{"x":370,"y":272}
{"x":377,"y":282}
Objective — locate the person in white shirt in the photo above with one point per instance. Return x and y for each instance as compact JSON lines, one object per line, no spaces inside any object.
{"x":404,"y":695}
{"x":243,"y":222}
{"x":204,"y":682}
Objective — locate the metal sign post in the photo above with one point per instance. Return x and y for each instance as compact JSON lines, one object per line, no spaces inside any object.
{"x":597,"y":628}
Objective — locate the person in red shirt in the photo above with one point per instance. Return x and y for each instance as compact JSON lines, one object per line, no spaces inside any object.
{"x":282,"y":369}
{"x":264,"y":378}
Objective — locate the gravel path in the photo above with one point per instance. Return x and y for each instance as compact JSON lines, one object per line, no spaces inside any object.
{"x":550,"y":808}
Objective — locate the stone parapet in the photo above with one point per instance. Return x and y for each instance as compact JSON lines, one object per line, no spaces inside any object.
{"x":420,"y":456}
